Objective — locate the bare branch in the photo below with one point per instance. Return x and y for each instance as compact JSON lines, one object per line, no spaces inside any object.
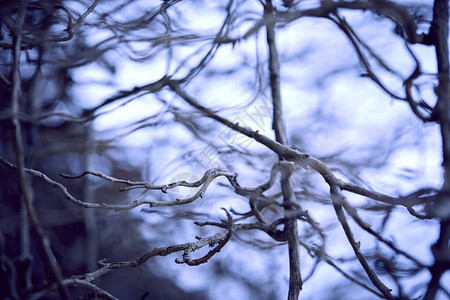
{"x":279,"y":127}
{"x":161,"y":251}
{"x":338,"y":199}
{"x":195,"y":262}
{"x":282,"y":150}
{"x":204,"y":182}
{"x":148,"y":88}
{"x":50,"y":262}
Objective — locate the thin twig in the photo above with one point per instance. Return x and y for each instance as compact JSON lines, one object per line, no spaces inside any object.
{"x":195,"y":262}
{"x":364,"y":225}
{"x":206,"y":180}
{"x":330,"y":261}
{"x":337,"y":198}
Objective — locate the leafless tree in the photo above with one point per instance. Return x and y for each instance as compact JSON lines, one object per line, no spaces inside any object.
{"x":212,"y":75}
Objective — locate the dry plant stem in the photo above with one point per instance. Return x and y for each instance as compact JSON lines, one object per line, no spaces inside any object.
{"x":43,"y":242}
{"x":407,"y":202}
{"x":219,"y":238}
{"x":161,"y":251}
{"x":206,"y":179}
{"x":338,"y":198}
{"x":148,"y":186}
{"x":209,"y":176}
{"x":278,"y":125}
{"x":256,"y":194}
{"x":282,"y":150}
{"x":291,"y":229}
{"x":195,"y":262}
{"x":204,"y":182}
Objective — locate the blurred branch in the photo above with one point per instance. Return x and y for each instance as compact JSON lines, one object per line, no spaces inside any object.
{"x":89,"y":216}
{"x":71,"y":28}
{"x":213,"y":49}
{"x":408,"y":82}
{"x":403,"y":201}
{"x":72,"y":282}
{"x":345,"y":27}
{"x":395,"y":12}
{"x":319,"y":251}
{"x":9,"y":271}
{"x":329,"y":260}
{"x":440,"y":208}
{"x":148,"y":88}
{"x":49,"y":260}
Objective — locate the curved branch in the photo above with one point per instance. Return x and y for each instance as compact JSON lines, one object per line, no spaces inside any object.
{"x":195,"y":262}
{"x":388,"y":9}
{"x":346,"y":29}
{"x":209,"y":176}
{"x":217,"y":238}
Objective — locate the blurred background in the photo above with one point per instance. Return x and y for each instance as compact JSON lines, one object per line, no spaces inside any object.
{"x":83,"y":68}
